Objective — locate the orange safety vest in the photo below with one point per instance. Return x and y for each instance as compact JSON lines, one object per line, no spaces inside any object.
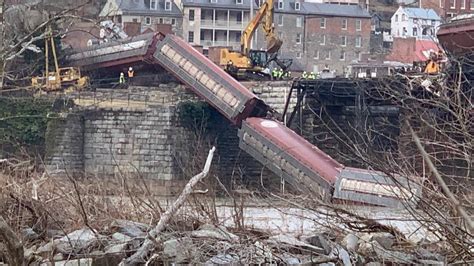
{"x":130,"y":74}
{"x":432,"y":68}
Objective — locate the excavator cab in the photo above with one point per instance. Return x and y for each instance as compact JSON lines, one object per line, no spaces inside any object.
{"x":259,"y":58}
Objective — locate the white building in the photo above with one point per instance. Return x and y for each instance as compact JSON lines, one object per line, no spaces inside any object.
{"x":415,"y":22}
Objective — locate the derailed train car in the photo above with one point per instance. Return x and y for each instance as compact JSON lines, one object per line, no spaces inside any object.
{"x":207,"y":80}
{"x":309,"y":169}
{"x":125,"y":52}
{"x":277,"y":147}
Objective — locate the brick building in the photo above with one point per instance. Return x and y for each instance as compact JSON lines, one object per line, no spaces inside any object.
{"x":446,"y":9}
{"x":453,"y":8}
{"x":346,"y":31}
{"x":335,"y":36}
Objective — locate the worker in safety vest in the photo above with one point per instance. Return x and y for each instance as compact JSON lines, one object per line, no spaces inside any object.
{"x":280,"y":73}
{"x":274,"y":74}
{"x":122,"y":78}
{"x":312,"y":75}
{"x":304,"y":75}
{"x":432,"y":67}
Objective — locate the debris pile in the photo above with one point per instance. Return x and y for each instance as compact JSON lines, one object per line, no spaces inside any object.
{"x":214,"y":244}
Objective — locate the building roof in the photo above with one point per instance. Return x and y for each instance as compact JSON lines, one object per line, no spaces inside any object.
{"x":409,"y":50}
{"x":142,"y":7}
{"x":335,"y":10}
{"x":421,"y":13}
{"x":306,"y":8}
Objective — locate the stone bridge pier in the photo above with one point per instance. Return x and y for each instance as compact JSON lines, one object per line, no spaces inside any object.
{"x":137,"y":132}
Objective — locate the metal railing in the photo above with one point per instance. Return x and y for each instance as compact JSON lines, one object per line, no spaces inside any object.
{"x":224,"y":23}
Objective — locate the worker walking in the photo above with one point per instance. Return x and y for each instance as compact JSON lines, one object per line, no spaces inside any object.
{"x":122,"y":78}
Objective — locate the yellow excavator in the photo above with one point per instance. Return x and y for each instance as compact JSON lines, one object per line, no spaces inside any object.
{"x":62,"y":78}
{"x":253,"y":64}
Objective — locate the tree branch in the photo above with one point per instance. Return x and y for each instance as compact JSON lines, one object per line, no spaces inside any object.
{"x":149,"y":244}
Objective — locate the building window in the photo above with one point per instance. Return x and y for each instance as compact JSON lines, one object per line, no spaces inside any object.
{"x":358,"y":25}
{"x":299,"y":21}
{"x":396,"y":18}
{"x":238,"y":36}
{"x":167,"y":5}
{"x":463,"y":4}
{"x":161,"y":20}
{"x":191,"y":36}
{"x":342,"y":57}
{"x":344,"y":24}
{"x":297,"y":5}
{"x":147,"y":20}
{"x":323,"y":23}
{"x":173,"y":21}
{"x":280,"y":35}
{"x":259,"y":3}
{"x":471,"y":4}
{"x":358,"y":41}
{"x":415,"y":20}
{"x":280,"y":4}
{"x":433,"y":23}
{"x":298,"y":55}
{"x":441,"y":3}
{"x":357,"y":55}
{"x":343,"y":40}
{"x":415,"y":31}
{"x":153,"y":5}
{"x":280,"y":20}
{"x":404,"y":17}
{"x":191,"y":15}
{"x":316,"y":54}
{"x":298,"y":38}
{"x":328,"y":55}
{"x":323,"y":40}
{"x":404,"y":31}
{"x":239,"y":2}
{"x":452,"y":4}
{"x":213,"y":1}
{"x":135,"y":20}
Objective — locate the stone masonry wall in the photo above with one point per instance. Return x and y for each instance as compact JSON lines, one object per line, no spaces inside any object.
{"x":64,"y":145}
{"x":274,"y":93}
{"x":137,"y":131}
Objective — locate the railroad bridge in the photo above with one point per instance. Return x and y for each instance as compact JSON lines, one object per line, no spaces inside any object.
{"x":274,"y":145}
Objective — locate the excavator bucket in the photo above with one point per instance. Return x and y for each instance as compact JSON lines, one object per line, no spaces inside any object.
{"x":273,"y":45}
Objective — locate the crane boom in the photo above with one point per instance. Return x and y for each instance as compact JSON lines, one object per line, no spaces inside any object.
{"x":265,"y":13}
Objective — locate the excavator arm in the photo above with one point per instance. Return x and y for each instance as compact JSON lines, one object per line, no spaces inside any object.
{"x":265,"y":14}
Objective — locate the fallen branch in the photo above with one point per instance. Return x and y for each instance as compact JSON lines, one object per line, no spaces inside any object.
{"x":142,"y":253}
{"x":13,"y":244}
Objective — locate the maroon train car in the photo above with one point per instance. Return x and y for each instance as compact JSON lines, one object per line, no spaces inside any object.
{"x":311,"y":170}
{"x":290,"y":156}
{"x":207,"y":80}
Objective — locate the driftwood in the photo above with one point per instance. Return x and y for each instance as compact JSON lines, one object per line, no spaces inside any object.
{"x":12,"y":243}
{"x":139,"y":257}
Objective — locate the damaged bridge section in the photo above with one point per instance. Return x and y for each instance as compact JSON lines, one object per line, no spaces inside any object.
{"x":269,"y":141}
